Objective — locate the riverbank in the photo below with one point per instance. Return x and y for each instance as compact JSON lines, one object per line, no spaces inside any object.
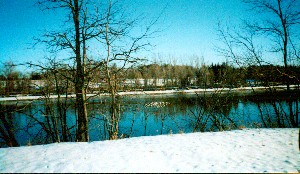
{"x":187,"y":91}
{"x":238,"y":151}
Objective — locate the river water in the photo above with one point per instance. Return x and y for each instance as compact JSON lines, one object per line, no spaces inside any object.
{"x":148,"y":115}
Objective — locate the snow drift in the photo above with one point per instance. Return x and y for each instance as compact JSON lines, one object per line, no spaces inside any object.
{"x":248,"y":150}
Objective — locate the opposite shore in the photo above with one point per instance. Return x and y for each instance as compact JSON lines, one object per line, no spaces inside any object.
{"x":186,"y":91}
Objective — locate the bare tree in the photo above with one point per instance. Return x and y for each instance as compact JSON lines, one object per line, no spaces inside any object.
{"x":7,"y":126}
{"x":240,"y":46}
{"x":11,"y":76}
{"x":83,"y":28}
{"x":282,"y":26}
{"x":281,"y":22}
{"x":111,"y":31}
{"x":121,"y":47}
{"x":279,"y":26}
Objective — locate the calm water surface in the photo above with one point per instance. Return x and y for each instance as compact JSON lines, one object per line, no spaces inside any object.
{"x":145,"y":115}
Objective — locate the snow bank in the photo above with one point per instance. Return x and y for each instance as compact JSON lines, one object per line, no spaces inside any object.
{"x":249,"y":150}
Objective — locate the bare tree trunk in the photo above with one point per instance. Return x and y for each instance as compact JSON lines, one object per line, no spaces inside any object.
{"x":9,"y":137}
{"x":285,"y":43}
{"x":82,"y":127}
{"x":293,"y":117}
{"x":296,"y":114}
{"x":285,"y":52}
{"x":10,"y":141}
{"x":261,"y":114}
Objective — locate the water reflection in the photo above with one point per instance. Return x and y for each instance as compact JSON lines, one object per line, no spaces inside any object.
{"x":48,"y":121}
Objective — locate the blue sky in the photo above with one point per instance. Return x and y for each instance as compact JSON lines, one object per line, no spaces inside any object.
{"x":189,"y":27}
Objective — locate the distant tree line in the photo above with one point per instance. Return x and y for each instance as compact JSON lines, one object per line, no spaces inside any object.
{"x":181,"y":76}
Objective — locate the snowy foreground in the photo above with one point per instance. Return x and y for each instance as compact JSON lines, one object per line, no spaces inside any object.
{"x":249,"y":150}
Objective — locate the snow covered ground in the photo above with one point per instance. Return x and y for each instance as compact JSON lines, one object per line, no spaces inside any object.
{"x":248,"y":150}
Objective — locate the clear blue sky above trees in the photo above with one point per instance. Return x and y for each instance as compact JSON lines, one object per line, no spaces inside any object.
{"x":188,"y":27}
